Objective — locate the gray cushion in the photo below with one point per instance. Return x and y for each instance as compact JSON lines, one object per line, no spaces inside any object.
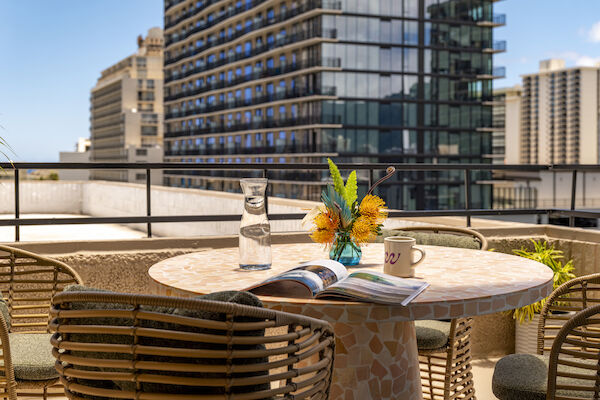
{"x":31,"y":355}
{"x":435,"y":239}
{"x":525,"y":377}
{"x":432,"y":334}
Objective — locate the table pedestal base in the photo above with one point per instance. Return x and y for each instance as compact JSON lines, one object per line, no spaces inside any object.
{"x":376,"y":360}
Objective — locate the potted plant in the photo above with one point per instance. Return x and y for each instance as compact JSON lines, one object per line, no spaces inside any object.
{"x":528,"y":317}
{"x":343,"y":222}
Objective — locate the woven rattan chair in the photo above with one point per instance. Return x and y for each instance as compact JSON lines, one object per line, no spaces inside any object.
{"x":127,"y":346}
{"x":28,"y":282}
{"x":524,"y":375}
{"x":444,"y":347}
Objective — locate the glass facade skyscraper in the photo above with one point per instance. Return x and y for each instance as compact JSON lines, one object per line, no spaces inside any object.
{"x":390,"y":81}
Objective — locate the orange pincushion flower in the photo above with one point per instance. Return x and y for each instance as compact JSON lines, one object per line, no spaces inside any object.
{"x":373,"y":207}
{"x":363,"y":229}
{"x":326,"y":225}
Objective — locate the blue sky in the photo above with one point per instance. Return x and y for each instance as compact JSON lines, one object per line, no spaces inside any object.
{"x":541,"y":29}
{"x":52,"y":52}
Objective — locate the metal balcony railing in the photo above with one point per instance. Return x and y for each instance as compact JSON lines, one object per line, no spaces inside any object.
{"x":264,"y":170}
{"x":257,"y":74}
{"x":240,"y":102}
{"x":265,"y":47}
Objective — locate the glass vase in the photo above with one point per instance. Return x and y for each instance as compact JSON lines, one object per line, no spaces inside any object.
{"x":344,"y":250}
{"x":255,"y":231}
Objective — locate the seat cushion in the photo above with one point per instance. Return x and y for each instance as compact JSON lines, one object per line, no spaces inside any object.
{"x":432,"y":334}
{"x":525,"y":377}
{"x":31,"y":355}
{"x":436,"y":239}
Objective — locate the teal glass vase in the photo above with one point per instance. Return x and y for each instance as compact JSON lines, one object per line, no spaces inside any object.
{"x":344,"y":250}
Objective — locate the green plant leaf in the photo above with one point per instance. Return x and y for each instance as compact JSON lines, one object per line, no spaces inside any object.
{"x":351,"y":189}
{"x":340,"y":206}
{"x":338,"y":182}
{"x":552,"y":258}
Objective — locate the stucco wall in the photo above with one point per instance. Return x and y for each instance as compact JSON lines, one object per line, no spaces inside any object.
{"x":43,"y":197}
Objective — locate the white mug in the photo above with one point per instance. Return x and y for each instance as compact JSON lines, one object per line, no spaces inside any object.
{"x":399,"y":256}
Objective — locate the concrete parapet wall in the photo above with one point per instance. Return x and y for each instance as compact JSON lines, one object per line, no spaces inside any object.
{"x":117,"y":199}
{"x":43,"y":197}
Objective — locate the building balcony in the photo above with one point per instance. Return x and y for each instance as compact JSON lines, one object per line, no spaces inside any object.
{"x":279,"y":42}
{"x":260,"y":74}
{"x":498,"y":46}
{"x":494,"y":20}
{"x":497,"y":73}
{"x":257,"y":24}
{"x":267,"y":123}
{"x":231,"y":104}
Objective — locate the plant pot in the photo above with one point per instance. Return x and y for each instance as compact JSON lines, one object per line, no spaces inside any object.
{"x":526,"y":334}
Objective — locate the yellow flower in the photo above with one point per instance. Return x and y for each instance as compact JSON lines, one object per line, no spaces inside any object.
{"x":326,"y":224}
{"x":363,"y":229}
{"x":373,"y":207}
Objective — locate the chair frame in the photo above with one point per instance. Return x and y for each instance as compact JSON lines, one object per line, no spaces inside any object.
{"x":571,"y":296}
{"x":449,"y":365}
{"x":28,"y":282}
{"x":448,"y":229}
{"x":293,"y":343}
{"x":582,"y":342}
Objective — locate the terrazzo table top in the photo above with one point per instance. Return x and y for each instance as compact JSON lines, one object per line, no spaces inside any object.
{"x":463,"y":282}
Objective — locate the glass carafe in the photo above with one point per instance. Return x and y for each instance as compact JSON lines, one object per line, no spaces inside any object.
{"x":255,"y":231}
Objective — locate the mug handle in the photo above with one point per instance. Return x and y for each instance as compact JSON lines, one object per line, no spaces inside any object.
{"x":414,"y":264}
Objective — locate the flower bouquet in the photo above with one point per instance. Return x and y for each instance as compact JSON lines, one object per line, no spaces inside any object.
{"x":343,"y":223}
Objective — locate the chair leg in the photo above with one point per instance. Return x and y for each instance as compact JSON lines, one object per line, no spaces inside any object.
{"x":447,"y":374}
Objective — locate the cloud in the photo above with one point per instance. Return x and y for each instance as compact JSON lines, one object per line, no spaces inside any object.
{"x":594,"y":33}
{"x":574,"y":58}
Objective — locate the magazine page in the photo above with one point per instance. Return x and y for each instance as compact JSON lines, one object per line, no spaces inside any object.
{"x":375,"y":287}
{"x":305,"y":280}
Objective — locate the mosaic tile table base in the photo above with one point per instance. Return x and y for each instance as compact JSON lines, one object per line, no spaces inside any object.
{"x":376,"y":349}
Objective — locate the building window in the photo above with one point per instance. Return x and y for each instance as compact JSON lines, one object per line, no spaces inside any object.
{"x":141,"y":152}
{"x":149,"y":130}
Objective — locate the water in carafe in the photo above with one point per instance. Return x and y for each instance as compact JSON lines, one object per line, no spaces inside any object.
{"x":255,"y":231}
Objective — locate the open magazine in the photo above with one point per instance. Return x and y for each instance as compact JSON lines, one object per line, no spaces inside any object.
{"x":328,"y":279}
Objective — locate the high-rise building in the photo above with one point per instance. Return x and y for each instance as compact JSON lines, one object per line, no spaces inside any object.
{"x":127,"y":112}
{"x":387,"y":81}
{"x":558,"y":116}
{"x":507,"y":101}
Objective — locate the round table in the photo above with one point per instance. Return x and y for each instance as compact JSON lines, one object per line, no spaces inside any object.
{"x":376,"y":349}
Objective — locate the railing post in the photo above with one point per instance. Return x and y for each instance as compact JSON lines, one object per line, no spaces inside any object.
{"x":264,"y":175}
{"x":468,"y":195}
{"x":370,"y":178}
{"x":573,"y":194}
{"x":148,"y":202}
{"x":17,"y":208}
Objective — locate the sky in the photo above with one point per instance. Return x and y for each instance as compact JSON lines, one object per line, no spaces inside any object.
{"x":52,"y":52}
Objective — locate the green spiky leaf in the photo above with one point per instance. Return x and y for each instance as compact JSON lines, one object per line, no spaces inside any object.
{"x":341,"y":207}
{"x":338,"y":182}
{"x":351,"y":189}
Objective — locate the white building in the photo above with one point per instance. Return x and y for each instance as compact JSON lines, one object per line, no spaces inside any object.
{"x":127,"y":112}
{"x":557,"y":117}
{"x":80,"y":155}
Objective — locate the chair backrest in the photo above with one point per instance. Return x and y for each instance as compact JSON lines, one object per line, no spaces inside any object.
{"x":130,"y":346}
{"x":445,"y":239}
{"x":574,"y":363}
{"x":566,"y":300}
{"x":27,"y":282}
